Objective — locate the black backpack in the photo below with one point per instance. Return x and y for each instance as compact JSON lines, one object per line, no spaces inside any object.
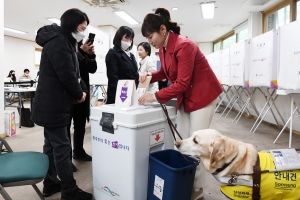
{"x":25,"y":117}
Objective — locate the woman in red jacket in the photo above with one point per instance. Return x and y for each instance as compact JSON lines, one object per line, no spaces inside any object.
{"x":192,"y":80}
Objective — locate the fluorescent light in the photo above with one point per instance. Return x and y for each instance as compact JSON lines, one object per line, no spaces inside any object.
{"x":208,"y":10}
{"x":55,"y":20}
{"x":175,"y":8}
{"x":124,"y":15}
{"x":14,"y":30}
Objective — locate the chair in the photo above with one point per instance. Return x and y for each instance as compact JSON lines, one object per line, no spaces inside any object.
{"x":21,"y":168}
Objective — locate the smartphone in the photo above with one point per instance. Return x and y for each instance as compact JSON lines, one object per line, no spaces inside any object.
{"x":91,"y":37}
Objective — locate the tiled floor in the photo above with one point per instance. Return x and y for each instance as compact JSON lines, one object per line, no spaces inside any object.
{"x":31,"y":139}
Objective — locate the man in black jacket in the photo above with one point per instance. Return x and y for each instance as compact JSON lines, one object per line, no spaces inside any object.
{"x":80,"y":112}
{"x":59,"y":86}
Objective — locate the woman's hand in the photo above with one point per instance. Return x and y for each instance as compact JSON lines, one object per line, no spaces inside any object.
{"x":143,"y":76}
{"x":87,"y":47}
{"x":147,"y":98}
{"x":82,"y":99}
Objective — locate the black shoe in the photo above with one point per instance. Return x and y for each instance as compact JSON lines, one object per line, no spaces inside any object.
{"x":74,"y":168}
{"x":84,"y":157}
{"x":51,"y":190}
{"x":78,"y":194}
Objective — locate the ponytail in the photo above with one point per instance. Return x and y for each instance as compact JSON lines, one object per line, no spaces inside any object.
{"x":152,"y":22}
{"x":164,"y":13}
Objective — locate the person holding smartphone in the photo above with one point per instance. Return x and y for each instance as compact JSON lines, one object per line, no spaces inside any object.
{"x":80,"y":112}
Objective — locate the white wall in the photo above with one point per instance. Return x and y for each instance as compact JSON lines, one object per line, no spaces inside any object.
{"x":19,"y":55}
{"x":205,"y":47}
{"x":1,"y":68}
{"x":254,"y":24}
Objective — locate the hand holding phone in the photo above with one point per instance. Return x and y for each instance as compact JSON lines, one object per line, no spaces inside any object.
{"x":91,"y":38}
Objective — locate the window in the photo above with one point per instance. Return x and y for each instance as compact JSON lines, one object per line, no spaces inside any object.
{"x":229,"y":41}
{"x":37,"y":56}
{"x":226,"y":39}
{"x":278,"y":18}
{"x":298,"y":10}
{"x":280,"y":14}
{"x":242,"y":35}
{"x":217,"y":46}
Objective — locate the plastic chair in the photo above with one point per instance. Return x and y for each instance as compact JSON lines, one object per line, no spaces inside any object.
{"x":21,"y":168}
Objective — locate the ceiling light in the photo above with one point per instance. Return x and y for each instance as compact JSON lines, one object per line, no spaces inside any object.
{"x":14,"y":30}
{"x":175,"y":8}
{"x":208,"y":10}
{"x":124,"y":15}
{"x":55,"y":20}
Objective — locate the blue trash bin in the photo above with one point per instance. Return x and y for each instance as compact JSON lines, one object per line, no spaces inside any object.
{"x":171,"y":176}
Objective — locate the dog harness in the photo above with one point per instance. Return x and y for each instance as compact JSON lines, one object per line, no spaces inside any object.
{"x":278,"y":185}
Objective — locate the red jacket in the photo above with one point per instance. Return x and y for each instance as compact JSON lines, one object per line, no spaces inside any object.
{"x":192,"y":79}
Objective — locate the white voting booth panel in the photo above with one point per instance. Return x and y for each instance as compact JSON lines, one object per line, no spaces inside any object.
{"x":239,"y":63}
{"x":289,"y":55}
{"x":264,"y":60}
{"x":121,"y":143}
{"x":101,"y":46}
{"x":225,"y":67}
{"x":215,"y":61}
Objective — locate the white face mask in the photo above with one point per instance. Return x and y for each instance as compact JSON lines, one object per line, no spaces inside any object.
{"x":125,"y":45}
{"x":78,"y":36}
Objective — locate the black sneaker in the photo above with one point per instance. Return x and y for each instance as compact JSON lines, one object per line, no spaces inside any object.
{"x":51,"y":190}
{"x":78,"y":194}
{"x":84,"y":157}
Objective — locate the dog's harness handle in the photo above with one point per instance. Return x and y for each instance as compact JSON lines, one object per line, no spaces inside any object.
{"x":256,"y":180}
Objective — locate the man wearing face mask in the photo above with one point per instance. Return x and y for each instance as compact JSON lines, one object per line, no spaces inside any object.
{"x":120,"y":63}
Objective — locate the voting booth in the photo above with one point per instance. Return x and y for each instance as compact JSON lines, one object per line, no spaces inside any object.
{"x":289,"y":65}
{"x":264,"y":60}
{"x":239,"y":63}
{"x":226,"y":67}
{"x":215,"y":61}
{"x":123,"y":135}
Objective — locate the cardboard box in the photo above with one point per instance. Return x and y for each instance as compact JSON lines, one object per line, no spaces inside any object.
{"x":10,"y":122}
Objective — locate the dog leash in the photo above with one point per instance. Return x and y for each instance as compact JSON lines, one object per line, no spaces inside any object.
{"x":172,"y":127}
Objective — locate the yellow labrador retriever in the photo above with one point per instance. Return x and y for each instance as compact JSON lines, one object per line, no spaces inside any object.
{"x":216,"y":151}
{"x":223,"y":156}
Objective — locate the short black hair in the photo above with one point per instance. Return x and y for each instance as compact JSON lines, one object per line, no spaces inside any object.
{"x":72,"y":18}
{"x":123,"y":30}
{"x":26,"y":70}
{"x":146,"y":46}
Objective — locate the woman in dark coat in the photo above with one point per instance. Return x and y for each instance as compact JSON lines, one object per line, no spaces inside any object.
{"x":120,"y":63}
{"x":59,"y":86}
{"x":80,"y":112}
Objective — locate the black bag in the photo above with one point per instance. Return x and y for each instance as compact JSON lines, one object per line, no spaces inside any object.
{"x":25,"y":117}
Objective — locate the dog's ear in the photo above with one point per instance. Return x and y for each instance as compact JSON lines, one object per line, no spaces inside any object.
{"x":218,"y":151}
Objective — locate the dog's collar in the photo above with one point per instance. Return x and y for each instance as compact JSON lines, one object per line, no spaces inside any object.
{"x":224,"y":166}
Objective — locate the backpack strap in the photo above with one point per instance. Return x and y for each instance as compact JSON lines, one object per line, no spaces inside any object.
{"x":256,"y":180}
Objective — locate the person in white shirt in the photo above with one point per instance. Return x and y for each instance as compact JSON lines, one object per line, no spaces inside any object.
{"x":26,"y":75}
{"x":146,"y":64}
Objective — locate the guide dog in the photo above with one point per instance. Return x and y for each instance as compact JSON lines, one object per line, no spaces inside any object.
{"x":223,"y":156}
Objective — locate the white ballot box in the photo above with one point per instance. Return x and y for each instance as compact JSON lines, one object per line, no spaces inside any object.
{"x":122,"y":139}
